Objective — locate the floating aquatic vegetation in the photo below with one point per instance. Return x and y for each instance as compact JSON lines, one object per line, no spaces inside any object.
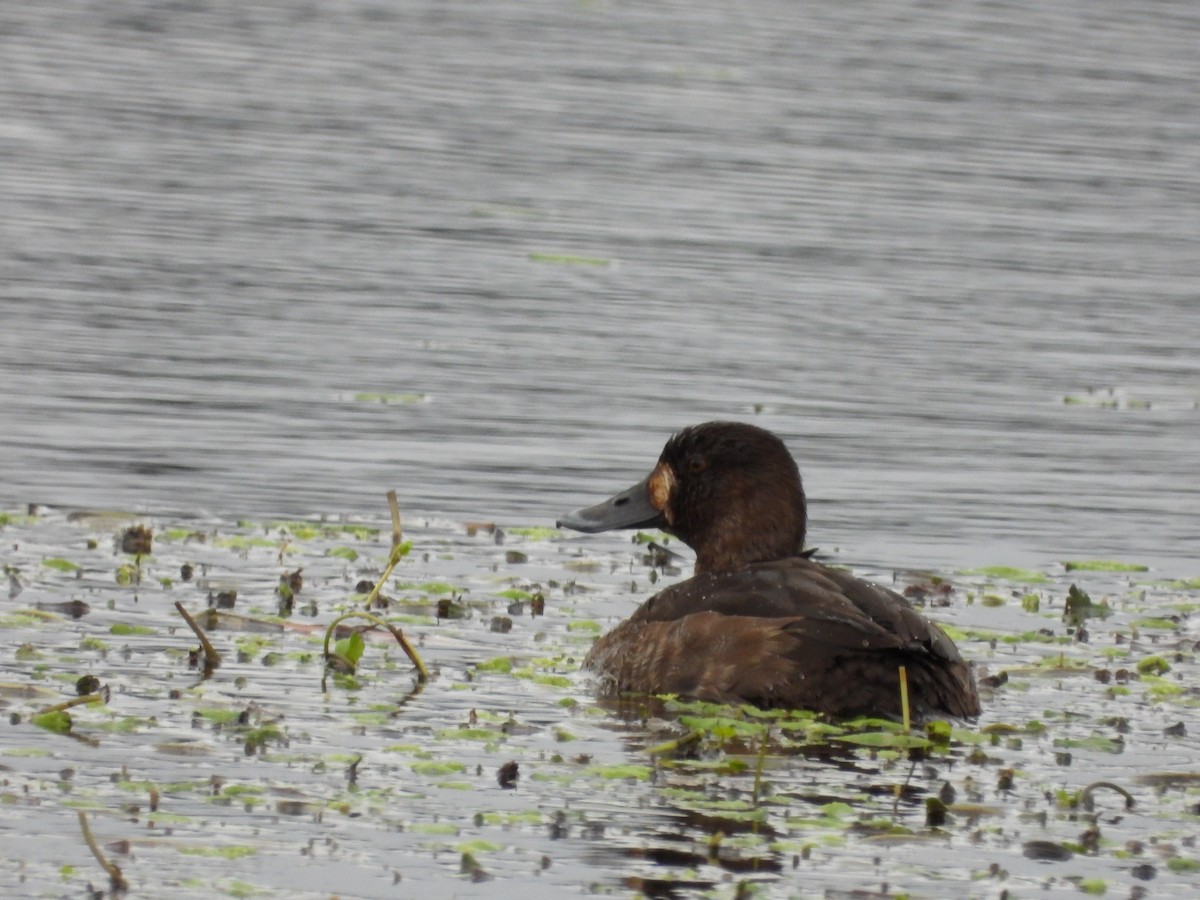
{"x":568,"y":259}
{"x":1102,"y":565}
{"x":661,"y":793}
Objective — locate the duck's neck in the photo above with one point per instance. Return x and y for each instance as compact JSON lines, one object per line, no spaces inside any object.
{"x":741,"y":540}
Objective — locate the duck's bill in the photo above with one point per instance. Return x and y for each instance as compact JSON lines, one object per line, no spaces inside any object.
{"x":628,"y":509}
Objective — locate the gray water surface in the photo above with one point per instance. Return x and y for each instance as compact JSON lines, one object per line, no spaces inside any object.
{"x":899,"y":234}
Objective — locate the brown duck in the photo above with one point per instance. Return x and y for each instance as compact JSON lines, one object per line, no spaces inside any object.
{"x":760,"y":622}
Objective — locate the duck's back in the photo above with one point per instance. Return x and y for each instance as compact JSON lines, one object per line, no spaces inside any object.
{"x":788,"y":633}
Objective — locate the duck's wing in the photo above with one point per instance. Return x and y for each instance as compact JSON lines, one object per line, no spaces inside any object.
{"x":823,"y":662}
{"x":798,"y":587}
{"x":792,"y":633}
{"x":766,"y":590}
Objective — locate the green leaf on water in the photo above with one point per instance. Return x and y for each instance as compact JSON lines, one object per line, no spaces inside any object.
{"x":884,"y":739}
{"x":501,"y":664}
{"x":1102,"y":565}
{"x":60,"y":565}
{"x":436,"y":768}
{"x":347,"y":553}
{"x":1095,"y":742}
{"x":939,"y":731}
{"x":124,"y":629}
{"x":58,"y":721}
{"x":351,"y":647}
{"x":428,"y":587}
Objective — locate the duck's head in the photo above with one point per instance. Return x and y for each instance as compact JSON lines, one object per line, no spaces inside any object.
{"x":728,"y":490}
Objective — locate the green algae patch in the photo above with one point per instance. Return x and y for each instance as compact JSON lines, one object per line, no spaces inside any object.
{"x":1009,"y":573}
{"x":1102,"y":565}
{"x":59,"y":564}
{"x":500,"y":664}
{"x":469,"y":734}
{"x":480,"y":846}
{"x":434,"y":768}
{"x":627,"y":770}
{"x":1153,"y":665}
{"x":428,"y":587}
{"x":24,"y":618}
{"x":586,"y":625}
{"x":347,"y":553}
{"x":124,"y":629}
{"x":543,"y":678}
{"x":437,"y":829}
{"x":1157,"y":624}
{"x":515,"y":594}
{"x":535,"y":532}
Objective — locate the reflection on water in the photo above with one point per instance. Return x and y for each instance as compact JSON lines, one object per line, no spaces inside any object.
{"x":897,"y":235}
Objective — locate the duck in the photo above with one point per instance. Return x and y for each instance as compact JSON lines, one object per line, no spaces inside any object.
{"x":760,"y":621}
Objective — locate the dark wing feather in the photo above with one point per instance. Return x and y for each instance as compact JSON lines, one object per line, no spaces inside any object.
{"x":791,"y":633}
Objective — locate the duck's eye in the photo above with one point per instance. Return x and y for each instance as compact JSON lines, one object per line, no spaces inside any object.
{"x":697,"y":464}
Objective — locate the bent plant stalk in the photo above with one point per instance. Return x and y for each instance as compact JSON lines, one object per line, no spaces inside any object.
{"x":399,"y":551}
{"x":422,"y":672}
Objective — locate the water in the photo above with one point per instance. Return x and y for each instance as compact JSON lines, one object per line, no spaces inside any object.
{"x":899,"y":234}
{"x":273,"y":776}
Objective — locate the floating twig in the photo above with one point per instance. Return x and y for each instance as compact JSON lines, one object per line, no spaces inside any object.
{"x":212,"y":659}
{"x":115,"y":878}
{"x":1085,"y":796}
